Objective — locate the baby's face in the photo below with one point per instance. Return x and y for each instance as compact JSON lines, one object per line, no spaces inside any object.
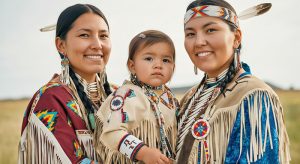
{"x":154,"y":64}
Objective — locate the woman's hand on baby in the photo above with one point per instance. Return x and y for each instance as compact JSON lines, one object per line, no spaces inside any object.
{"x":151,"y":155}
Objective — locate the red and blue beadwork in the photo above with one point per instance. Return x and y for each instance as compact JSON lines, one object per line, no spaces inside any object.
{"x":116,"y":103}
{"x":200,"y":129}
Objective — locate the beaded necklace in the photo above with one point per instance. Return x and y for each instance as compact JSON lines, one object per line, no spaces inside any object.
{"x":192,"y":119}
{"x":165,"y":144}
{"x":93,"y":91}
{"x":137,"y":82}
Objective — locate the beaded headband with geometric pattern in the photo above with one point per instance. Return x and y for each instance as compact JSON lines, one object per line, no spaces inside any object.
{"x":211,"y":10}
{"x":245,"y":14}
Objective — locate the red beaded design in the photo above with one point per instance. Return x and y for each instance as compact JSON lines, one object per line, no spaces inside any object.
{"x":200,"y":129}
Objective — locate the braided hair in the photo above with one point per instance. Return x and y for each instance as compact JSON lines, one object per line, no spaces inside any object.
{"x":82,"y":95}
{"x":106,"y":86}
{"x":232,"y":71}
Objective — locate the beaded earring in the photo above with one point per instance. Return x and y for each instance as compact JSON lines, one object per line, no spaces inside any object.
{"x":195,"y":70}
{"x":65,"y":76}
{"x":236,"y":58}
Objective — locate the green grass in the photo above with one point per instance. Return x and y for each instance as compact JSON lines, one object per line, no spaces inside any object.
{"x":12,"y":114}
{"x":291,"y":105}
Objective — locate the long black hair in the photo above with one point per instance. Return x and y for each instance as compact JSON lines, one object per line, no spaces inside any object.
{"x":64,"y":23}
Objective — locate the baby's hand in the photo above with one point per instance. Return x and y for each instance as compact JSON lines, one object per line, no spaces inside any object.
{"x":151,"y":155}
{"x":171,"y":161}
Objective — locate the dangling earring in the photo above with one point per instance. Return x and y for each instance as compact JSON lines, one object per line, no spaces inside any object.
{"x":195,"y":70}
{"x":236,"y":58}
{"x":65,"y":77}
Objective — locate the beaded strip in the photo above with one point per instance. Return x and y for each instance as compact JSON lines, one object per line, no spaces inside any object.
{"x":200,"y":101}
{"x":129,"y":145}
{"x":165,"y":144}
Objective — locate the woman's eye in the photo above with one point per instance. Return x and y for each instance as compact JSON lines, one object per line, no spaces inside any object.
{"x":211,"y":30}
{"x":84,"y":35}
{"x":104,"y":36}
{"x":189,"y":34}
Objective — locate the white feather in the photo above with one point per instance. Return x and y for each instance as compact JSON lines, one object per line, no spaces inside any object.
{"x":255,"y":11}
{"x":48,"y":28}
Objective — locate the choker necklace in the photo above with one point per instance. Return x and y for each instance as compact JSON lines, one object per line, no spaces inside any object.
{"x":136,"y":81}
{"x":212,"y":81}
{"x":92,"y":90}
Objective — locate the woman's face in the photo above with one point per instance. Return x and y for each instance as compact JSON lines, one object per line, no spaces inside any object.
{"x":210,"y":44}
{"x":87,"y":45}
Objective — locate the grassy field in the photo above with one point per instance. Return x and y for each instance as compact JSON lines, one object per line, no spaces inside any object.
{"x":291,"y":106}
{"x":12,"y":114}
{"x":10,"y":124}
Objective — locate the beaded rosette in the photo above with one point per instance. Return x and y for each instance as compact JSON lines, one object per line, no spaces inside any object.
{"x":117,"y":103}
{"x":200,"y":129}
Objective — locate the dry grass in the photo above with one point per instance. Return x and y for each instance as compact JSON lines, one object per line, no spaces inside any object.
{"x":10,"y":124}
{"x":12,"y":115}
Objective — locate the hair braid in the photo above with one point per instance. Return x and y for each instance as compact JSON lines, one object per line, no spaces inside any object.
{"x":229,"y":76}
{"x":82,"y":95}
{"x":106,"y":86}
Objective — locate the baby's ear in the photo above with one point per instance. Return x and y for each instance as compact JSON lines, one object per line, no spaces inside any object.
{"x":130,"y":65}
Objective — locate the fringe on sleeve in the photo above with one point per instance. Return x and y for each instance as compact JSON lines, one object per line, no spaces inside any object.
{"x":257,"y":118}
{"x":37,"y":140}
{"x":257,"y":141}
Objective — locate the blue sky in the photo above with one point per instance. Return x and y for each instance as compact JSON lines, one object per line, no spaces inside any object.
{"x":28,"y":57}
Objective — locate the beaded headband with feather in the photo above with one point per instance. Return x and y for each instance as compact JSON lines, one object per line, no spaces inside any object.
{"x":245,"y":14}
{"x":225,"y":13}
{"x":211,"y":10}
